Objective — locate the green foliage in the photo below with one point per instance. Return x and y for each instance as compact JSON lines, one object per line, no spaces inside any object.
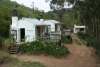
{"x":1,"y":40}
{"x":3,"y":54}
{"x":65,"y":39}
{"x":84,"y":35}
{"x":91,"y":41}
{"x":8,"y":41}
{"x":55,"y":50}
{"x":24,"y":48}
{"x":36,"y":47}
{"x":6,"y":8}
{"x":4,"y":57}
{"x":60,"y":51}
{"x":78,"y":42}
{"x":47,"y":48}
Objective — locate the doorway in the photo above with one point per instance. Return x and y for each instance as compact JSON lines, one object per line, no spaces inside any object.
{"x":22,"y":34}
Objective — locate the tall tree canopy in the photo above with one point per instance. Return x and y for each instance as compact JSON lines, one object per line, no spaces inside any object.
{"x":89,"y":14}
{"x":58,"y":7}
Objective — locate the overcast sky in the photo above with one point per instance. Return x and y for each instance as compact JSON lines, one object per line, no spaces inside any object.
{"x":40,"y":4}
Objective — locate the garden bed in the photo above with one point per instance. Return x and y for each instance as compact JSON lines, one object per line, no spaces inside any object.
{"x":47,"y":48}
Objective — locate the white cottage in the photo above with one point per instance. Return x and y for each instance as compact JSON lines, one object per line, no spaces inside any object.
{"x":30,"y":29}
{"x":79,"y":29}
{"x":27,"y":28}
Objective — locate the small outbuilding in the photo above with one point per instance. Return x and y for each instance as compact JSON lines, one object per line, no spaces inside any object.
{"x":79,"y":29}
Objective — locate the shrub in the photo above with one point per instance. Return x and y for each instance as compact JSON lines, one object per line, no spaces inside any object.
{"x":60,"y":51}
{"x":84,"y":35}
{"x":0,"y":40}
{"x":47,"y":48}
{"x":24,"y":48}
{"x":36,"y":47}
{"x":8,"y":42}
{"x":64,"y":39}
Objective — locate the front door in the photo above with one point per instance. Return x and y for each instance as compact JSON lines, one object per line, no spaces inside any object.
{"x":22,"y":34}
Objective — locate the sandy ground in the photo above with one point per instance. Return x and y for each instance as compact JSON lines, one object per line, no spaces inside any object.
{"x":80,"y":56}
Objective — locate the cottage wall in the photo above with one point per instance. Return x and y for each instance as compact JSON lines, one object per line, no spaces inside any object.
{"x":29,"y":30}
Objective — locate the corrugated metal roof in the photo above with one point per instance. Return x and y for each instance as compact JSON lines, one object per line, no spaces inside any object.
{"x":34,"y":21}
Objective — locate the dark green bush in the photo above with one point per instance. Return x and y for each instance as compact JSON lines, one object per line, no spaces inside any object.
{"x":24,"y":48}
{"x":1,"y":40}
{"x":64,"y":39}
{"x":36,"y":47}
{"x":47,"y":48}
{"x":84,"y":35}
{"x":60,"y":51}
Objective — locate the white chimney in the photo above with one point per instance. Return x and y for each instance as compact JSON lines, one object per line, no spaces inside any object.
{"x":14,"y":21}
{"x":41,"y":20}
{"x":14,"y":18}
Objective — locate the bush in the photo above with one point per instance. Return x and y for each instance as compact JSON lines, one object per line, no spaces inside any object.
{"x":36,"y":47}
{"x":84,"y":35}
{"x":8,"y":42}
{"x":64,"y":39}
{"x":0,"y":41}
{"x":47,"y":48}
{"x":60,"y":51}
{"x":55,"y":50}
{"x":24,"y":48}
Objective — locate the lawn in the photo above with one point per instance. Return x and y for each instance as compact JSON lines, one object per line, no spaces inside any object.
{"x":17,"y":63}
{"x":7,"y":61}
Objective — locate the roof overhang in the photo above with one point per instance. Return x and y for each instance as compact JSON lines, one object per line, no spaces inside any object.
{"x":80,"y":27}
{"x":41,"y":25}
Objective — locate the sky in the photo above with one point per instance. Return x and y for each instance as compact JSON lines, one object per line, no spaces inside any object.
{"x":40,"y":4}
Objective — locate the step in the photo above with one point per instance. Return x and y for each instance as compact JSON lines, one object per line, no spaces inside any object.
{"x":14,"y":50}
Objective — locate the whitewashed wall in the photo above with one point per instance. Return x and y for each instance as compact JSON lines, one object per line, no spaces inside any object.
{"x":29,"y":29}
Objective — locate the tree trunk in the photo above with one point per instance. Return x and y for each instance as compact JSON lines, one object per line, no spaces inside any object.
{"x":98,"y":27}
{"x":93,"y":25}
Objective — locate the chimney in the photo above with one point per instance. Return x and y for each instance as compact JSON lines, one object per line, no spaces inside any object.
{"x":14,"y":18}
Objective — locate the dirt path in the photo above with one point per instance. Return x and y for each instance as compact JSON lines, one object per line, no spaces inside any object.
{"x":80,"y":56}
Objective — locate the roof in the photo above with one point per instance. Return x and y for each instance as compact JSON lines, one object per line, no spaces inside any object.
{"x":79,"y":26}
{"x":54,"y":21}
{"x":40,"y":22}
{"x":34,"y":21}
{"x":48,"y":22}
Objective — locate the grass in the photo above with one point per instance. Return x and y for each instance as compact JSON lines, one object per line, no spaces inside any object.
{"x":17,"y":63}
{"x":78,"y":42}
{"x":4,"y":54}
{"x":7,"y":61}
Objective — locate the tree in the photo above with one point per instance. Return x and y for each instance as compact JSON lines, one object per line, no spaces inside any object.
{"x":89,"y":14}
{"x":58,"y":7}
